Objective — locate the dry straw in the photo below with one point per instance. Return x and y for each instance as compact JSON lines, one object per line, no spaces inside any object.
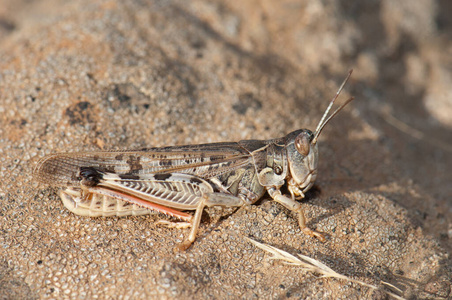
{"x":311,"y":265}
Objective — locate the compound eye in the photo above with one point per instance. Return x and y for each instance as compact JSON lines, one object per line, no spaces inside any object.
{"x":302,"y":144}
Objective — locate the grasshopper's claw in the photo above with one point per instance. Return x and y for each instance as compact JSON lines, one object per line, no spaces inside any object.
{"x":184,"y":246}
{"x":313,"y":233}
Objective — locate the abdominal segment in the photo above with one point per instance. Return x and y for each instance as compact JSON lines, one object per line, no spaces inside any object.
{"x":98,"y":205}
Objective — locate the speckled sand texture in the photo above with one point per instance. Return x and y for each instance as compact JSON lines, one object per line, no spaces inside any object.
{"x":90,"y":75}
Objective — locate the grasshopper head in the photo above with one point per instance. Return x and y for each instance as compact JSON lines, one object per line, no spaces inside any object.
{"x":303,"y":156}
{"x":302,"y":151}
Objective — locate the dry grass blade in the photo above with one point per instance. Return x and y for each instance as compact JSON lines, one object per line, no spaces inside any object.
{"x":314,"y":266}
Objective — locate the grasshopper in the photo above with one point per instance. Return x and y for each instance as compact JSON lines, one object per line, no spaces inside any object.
{"x":174,"y":180}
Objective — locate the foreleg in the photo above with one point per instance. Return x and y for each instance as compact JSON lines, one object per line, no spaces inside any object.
{"x":295,"y":206}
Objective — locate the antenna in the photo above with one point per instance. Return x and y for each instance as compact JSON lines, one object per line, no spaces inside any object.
{"x":323,"y":122}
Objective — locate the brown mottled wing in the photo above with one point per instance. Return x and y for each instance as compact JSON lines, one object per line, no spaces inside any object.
{"x":205,"y":161}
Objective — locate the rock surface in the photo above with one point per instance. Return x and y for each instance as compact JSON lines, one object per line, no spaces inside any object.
{"x":89,"y":75}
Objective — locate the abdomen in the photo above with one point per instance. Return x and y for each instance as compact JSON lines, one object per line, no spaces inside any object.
{"x":97,"y":205}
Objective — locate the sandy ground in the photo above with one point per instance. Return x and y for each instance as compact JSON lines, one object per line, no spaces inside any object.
{"x":90,"y":75}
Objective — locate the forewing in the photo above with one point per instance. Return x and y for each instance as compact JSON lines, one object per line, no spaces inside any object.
{"x":204,"y":161}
